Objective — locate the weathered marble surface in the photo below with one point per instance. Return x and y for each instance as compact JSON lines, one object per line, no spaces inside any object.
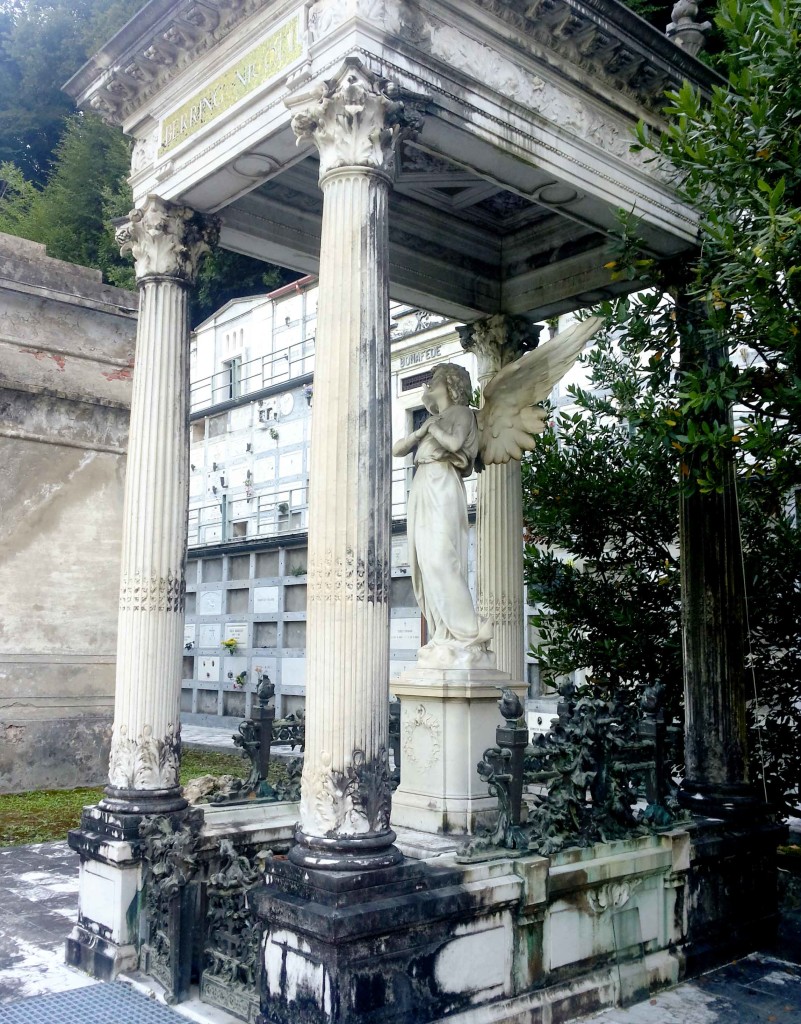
{"x":66,"y":353}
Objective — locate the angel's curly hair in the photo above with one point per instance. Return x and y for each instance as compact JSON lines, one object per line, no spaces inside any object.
{"x":457,"y":380}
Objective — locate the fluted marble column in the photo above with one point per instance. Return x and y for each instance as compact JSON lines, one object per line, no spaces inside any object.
{"x":355,"y":120}
{"x":166,"y":241}
{"x":496,"y":341}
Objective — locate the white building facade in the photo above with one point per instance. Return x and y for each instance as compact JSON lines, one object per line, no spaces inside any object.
{"x":251,"y":406}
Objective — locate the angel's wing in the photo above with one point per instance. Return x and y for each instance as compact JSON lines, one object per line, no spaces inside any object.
{"x":508,"y":420}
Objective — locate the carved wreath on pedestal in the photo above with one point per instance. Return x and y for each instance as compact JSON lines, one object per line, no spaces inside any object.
{"x":423,"y":722}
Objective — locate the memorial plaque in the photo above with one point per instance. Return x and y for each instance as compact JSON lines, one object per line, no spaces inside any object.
{"x":237,"y":631}
{"x":208,"y":634}
{"x":208,"y":669}
{"x":209,"y":602}
{"x":400,"y":552}
{"x":290,"y":464}
{"x":265,"y":600}
{"x":291,"y":432}
{"x":405,"y":633}
{"x":256,"y":68}
{"x":263,"y":470}
{"x":293,"y":672}
{"x":190,"y":635}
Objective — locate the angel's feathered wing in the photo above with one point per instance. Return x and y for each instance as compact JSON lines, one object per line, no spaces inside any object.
{"x":507,"y":420}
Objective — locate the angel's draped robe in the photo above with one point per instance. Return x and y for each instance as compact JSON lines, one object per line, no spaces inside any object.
{"x":438,"y":532}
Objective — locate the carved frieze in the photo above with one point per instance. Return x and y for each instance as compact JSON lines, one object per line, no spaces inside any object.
{"x":143,"y":592}
{"x":145,"y":762}
{"x":355,"y":120}
{"x":144,"y":152}
{"x":573,"y":31}
{"x":166,"y":239}
{"x":350,"y":578}
{"x":502,"y":610}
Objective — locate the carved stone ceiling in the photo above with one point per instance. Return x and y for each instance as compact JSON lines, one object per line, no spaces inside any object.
{"x":459,"y":244}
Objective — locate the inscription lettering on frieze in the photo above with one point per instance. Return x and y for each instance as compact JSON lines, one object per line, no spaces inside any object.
{"x":256,"y":68}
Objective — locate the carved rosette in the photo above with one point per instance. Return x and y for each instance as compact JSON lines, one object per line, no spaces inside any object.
{"x":355,"y":120}
{"x":145,"y":762}
{"x":166,"y":240}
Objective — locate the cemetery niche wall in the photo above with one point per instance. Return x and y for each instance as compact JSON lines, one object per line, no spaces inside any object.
{"x":470,"y":157}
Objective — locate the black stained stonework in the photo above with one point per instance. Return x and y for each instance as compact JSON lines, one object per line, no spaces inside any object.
{"x":376,"y":935}
{"x":732,"y":892}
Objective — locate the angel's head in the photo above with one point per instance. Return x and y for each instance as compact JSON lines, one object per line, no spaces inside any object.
{"x":455,"y":381}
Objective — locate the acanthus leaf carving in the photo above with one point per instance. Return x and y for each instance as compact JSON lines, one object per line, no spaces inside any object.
{"x":355,"y":119}
{"x":498,"y":340}
{"x":357,"y":801}
{"x":145,"y":762}
{"x":166,"y":239}
{"x":612,"y":895}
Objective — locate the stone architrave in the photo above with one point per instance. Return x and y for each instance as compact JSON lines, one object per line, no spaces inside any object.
{"x":355,"y":120}
{"x":497,"y":341}
{"x":167,"y":242}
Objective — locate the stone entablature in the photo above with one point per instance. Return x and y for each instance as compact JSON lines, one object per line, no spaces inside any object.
{"x":602,"y":38}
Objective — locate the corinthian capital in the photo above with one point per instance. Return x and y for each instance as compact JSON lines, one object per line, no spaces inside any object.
{"x":355,"y":119}
{"x":166,"y":239}
{"x":498,"y":340}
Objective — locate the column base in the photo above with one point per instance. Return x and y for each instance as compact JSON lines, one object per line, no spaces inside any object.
{"x":394,"y":946}
{"x":143,"y":801}
{"x":732,"y":893}
{"x":105,"y":939}
{"x":735,"y":802}
{"x":345,"y":853}
{"x":448,"y":719}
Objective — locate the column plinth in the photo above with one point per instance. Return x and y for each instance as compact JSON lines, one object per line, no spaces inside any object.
{"x":497,"y":341}
{"x":355,"y":121}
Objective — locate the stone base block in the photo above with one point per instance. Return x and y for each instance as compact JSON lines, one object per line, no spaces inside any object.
{"x":405,"y":945}
{"x":98,"y":957}
{"x":448,"y":719}
{"x":732,"y":894}
{"x":568,"y":1000}
{"x":104,"y":942}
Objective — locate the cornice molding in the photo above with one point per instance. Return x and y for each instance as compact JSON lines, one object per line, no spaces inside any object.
{"x":600,"y":37}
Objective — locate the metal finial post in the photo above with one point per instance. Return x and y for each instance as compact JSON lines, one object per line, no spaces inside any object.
{"x":513,"y":737}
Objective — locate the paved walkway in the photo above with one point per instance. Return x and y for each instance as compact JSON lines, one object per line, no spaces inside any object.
{"x":38,"y":902}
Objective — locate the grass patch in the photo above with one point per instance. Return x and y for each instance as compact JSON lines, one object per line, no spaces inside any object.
{"x":46,"y":815}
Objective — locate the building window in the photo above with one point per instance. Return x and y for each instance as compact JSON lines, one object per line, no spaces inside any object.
{"x":233,"y":383}
{"x":416,"y":380}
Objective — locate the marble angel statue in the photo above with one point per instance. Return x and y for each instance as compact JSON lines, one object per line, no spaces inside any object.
{"x":450,"y":443}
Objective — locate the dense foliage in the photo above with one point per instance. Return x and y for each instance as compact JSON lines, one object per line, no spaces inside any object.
{"x":602,"y":489}
{"x":63,"y":174}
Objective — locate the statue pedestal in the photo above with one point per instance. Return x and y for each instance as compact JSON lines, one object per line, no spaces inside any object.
{"x":448,"y":719}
